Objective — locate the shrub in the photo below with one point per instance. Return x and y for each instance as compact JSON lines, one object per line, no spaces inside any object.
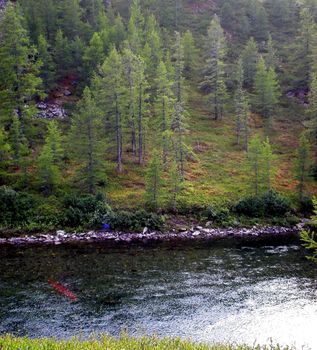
{"x":270,"y":204}
{"x":80,"y":211}
{"x":15,"y":207}
{"x":125,"y":220}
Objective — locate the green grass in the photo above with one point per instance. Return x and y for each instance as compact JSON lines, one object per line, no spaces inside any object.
{"x":123,"y":343}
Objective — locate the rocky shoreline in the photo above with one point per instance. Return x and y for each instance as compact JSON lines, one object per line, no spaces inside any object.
{"x":198,"y":233}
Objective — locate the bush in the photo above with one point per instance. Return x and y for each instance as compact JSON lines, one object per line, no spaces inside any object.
{"x":124,"y":220}
{"x":270,"y":204}
{"x":81,"y":211}
{"x":15,"y":208}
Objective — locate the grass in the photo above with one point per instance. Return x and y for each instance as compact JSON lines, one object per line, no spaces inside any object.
{"x":105,"y":342}
{"x":219,"y":169}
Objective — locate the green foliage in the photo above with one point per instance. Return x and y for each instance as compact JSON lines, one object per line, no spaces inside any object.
{"x":302,"y":164}
{"x":249,"y":58}
{"x":154,"y":181}
{"x":15,"y":208}
{"x":308,"y":237}
{"x":86,"y":143}
{"x":270,"y":204}
{"x":214,"y":70}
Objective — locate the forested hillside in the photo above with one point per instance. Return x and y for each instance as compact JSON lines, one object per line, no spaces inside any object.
{"x":166,"y":105}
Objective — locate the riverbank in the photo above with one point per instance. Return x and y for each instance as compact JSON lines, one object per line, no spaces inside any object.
{"x":124,"y":342}
{"x":197,"y":233}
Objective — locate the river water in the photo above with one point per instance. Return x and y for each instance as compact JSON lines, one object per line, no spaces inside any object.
{"x":204,"y":292}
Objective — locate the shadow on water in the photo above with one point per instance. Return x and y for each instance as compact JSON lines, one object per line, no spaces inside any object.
{"x":237,"y":291}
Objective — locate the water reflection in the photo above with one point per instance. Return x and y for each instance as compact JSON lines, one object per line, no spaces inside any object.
{"x":203,"y":292}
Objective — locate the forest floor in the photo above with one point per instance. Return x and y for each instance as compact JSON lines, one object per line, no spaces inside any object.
{"x":218,"y":171}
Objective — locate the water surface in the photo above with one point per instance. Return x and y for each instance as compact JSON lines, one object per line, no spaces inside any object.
{"x":204,"y":292}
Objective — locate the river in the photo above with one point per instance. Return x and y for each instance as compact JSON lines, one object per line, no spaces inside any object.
{"x":204,"y":291}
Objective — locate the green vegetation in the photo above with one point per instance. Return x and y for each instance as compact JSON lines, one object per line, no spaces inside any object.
{"x":124,"y":342}
{"x":157,"y":106}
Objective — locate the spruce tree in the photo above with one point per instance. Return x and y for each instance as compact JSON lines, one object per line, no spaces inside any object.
{"x":112,"y":91}
{"x":61,"y":54}
{"x":86,"y":143}
{"x":190,"y":53}
{"x":5,"y":155}
{"x":94,"y":54}
{"x":312,"y":110}
{"x":267,"y":91}
{"x":175,"y":184}
{"x":164,"y":108}
{"x":271,"y":59}
{"x":214,"y":71}
{"x":239,"y":99}
{"x":19,"y":68}
{"x":48,"y":172}
{"x":302,"y":164}
{"x":249,"y":58}
{"x":48,"y":66}
{"x":53,"y":140}
{"x":154,"y":181}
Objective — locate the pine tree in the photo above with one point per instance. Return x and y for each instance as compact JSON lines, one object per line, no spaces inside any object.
{"x":54,"y":142}
{"x":61,"y":54}
{"x":86,"y":143}
{"x":48,"y":172}
{"x":154,"y":181}
{"x":18,"y":141}
{"x":136,"y":28}
{"x":94,"y":54}
{"x":267,"y":90}
{"x":312,"y":110}
{"x":302,"y":164}
{"x":164,"y":108}
{"x":270,"y":59}
{"x":190,"y":53}
{"x":214,"y":71}
{"x":5,"y":148}
{"x":117,"y":32}
{"x":111,"y":91}
{"x":249,"y":58}
{"x":239,"y":100}
{"x":18,"y":65}
{"x":48,"y":67}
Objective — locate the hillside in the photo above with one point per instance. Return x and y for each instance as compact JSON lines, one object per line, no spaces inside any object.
{"x":142,"y":103}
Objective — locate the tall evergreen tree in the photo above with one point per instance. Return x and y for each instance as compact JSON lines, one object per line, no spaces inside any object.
{"x":312,"y":110}
{"x":53,"y":140}
{"x":112,"y":96}
{"x":164,"y":108}
{"x":249,"y":58}
{"x":48,"y":172}
{"x":190,"y":52}
{"x":255,"y":163}
{"x":48,"y":66}
{"x":214,"y":71}
{"x":267,"y":156}
{"x":86,"y":143}
{"x":267,"y":90}
{"x":302,"y":164}
{"x":18,"y":65}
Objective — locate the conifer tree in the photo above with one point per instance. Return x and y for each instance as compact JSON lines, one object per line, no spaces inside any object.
{"x":48,"y":67}
{"x":53,"y":140}
{"x":249,"y":58}
{"x":117,"y":32}
{"x":18,"y":142}
{"x":312,"y":110}
{"x":164,"y":108}
{"x":214,"y":71}
{"x":61,"y":54}
{"x":111,"y":90}
{"x":270,"y":59}
{"x":94,"y":54}
{"x":5,"y":154}
{"x":190,"y":52}
{"x":18,"y":65}
{"x":267,"y":90}
{"x":154,"y":181}
{"x":85,"y":142}
{"x":302,"y":164}
{"x":48,"y":172}
{"x":136,"y":28}
{"x":239,"y":100}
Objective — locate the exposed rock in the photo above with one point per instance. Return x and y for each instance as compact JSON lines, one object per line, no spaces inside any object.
{"x":255,"y":234}
{"x":50,"y":111}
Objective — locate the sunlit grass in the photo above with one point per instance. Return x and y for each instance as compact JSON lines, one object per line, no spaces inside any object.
{"x":105,"y":342}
